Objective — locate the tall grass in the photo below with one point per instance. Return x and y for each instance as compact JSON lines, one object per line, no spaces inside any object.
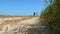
{"x":51,"y":14}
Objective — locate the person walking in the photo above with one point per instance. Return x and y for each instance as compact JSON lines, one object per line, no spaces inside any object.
{"x":34,"y":13}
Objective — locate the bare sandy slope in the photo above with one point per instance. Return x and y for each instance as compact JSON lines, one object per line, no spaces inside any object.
{"x":13,"y":25}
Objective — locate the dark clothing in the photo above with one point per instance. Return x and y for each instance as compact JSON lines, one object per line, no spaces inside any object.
{"x":34,"y":13}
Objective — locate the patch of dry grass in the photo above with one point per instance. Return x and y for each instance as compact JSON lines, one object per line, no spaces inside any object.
{"x":16,"y":20}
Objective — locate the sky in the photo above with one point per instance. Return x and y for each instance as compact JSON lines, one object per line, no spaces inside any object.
{"x":21,"y":7}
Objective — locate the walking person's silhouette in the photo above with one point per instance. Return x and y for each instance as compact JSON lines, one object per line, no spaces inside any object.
{"x":34,"y":13}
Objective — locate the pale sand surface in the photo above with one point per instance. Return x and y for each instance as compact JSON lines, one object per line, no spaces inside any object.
{"x":11,"y":25}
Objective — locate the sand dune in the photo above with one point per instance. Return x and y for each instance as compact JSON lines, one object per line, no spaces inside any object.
{"x":11,"y":25}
